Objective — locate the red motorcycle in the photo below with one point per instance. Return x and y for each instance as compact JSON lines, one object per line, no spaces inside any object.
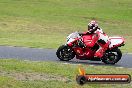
{"x":74,"y":47}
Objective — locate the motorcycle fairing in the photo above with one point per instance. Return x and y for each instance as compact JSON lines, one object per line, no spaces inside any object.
{"x":115,"y":42}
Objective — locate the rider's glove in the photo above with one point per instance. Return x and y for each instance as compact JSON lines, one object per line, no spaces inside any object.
{"x":80,"y":43}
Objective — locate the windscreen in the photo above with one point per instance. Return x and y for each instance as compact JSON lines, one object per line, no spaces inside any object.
{"x":73,"y":35}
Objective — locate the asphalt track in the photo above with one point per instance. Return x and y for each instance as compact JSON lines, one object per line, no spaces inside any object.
{"x":35,"y":54}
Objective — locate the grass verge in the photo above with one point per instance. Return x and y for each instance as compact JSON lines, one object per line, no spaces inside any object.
{"x":38,"y":74}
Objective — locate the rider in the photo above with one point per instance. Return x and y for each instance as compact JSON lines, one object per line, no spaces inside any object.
{"x":98,"y":36}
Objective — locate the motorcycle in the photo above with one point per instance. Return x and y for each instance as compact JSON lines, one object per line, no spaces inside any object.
{"x":74,"y":47}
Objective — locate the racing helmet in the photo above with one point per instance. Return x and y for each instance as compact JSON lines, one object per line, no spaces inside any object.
{"x":92,"y":26}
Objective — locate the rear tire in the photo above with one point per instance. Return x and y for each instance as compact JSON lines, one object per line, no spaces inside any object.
{"x":112,"y":56}
{"x":64,"y":53}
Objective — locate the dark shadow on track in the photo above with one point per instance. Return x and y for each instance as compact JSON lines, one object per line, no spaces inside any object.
{"x":95,"y":63}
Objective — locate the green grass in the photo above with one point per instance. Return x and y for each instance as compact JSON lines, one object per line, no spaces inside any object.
{"x":46,"y":23}
{"x":12,"y":73}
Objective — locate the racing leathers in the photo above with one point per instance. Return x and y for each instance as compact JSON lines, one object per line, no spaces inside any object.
{"x":101,"y":39}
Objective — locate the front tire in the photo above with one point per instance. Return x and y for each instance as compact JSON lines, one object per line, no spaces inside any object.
{"x":64,"y":53}
{"x":112,"y":56}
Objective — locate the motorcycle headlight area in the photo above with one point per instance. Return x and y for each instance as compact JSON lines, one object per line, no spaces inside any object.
{"x":70,"y":40}
{"x":67,"y":39}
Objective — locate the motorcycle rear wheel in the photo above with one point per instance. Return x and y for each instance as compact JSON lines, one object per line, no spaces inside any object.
{"x":112,"y":56}
{"x":64,"y":53}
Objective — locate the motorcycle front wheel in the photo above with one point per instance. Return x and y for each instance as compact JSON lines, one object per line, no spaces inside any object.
{"x":112,"y":56}
{"x":64,"y":53}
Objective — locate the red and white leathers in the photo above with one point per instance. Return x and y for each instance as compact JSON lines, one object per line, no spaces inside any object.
{"x":101,"y":39}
